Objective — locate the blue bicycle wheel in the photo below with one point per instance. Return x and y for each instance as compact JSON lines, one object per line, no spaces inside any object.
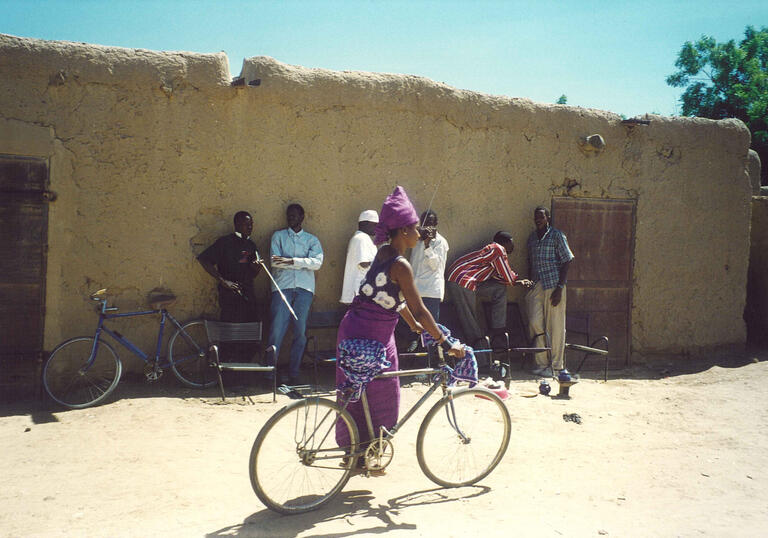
{"x":188,"y":355}
{"x":76,"y":380}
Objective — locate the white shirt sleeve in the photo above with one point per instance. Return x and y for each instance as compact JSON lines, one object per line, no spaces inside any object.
{"x":360,"y":249}
{"x":314,"y":259}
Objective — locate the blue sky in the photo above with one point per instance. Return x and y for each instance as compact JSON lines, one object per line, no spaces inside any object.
{"x":611,"y":55}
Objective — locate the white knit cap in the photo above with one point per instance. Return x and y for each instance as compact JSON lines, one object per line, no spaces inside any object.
{"x":369,"y":215}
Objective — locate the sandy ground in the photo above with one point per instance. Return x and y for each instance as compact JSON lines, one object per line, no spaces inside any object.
{"x":659,"y":452}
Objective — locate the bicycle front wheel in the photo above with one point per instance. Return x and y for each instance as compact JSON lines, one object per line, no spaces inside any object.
{"x":295,"y":464}
{"x":188,"y":355}
{"x":74,"y":379}
{"x":463,"y":437}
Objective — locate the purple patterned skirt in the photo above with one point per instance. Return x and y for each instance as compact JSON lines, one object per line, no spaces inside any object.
{"x":369,"y":320}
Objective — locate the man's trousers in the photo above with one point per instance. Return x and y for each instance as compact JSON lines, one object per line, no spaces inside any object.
{"x":543,"y":317}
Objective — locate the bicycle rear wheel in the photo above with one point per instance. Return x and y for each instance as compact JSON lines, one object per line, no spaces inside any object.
{"x":463,"y":437}
{"x":295,"y":464}
{"x":188,"y":355}
{"x":74,"y":381}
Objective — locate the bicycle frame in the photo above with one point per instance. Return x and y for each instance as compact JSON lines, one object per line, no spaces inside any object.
{"x":441,"y":382}
{"x":124,"y":341}
{"x":384,"y":433}
{"x":387,"y":434}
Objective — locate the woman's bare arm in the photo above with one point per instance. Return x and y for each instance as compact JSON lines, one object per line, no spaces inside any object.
{"x":407,"y":316}
{"x":402,"y":274}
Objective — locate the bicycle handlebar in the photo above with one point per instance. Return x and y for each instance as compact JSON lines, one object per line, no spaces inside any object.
{"x":402,"y":373}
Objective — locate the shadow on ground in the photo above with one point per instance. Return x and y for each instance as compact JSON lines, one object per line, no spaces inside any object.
{"x":348,"y":505}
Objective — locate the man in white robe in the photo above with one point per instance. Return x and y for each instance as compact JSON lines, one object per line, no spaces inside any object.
{"x":360,"y":254}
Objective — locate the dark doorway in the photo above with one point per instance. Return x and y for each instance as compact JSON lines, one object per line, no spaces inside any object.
{"x":23,"y":246}
{"x":601,"y":235}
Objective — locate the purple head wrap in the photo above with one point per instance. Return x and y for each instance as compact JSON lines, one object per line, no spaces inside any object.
{"x":397,"y":211}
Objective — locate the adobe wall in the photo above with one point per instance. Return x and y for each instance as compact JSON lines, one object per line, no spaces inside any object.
{"x":151,"y":153}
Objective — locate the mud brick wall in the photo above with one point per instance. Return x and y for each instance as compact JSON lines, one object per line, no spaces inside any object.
{"x":151,"y":154}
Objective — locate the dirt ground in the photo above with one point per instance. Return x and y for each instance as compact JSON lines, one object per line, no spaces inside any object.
{"x":659,"y":452}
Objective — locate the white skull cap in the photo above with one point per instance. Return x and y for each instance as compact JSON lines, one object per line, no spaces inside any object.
{"x":369,"y":215}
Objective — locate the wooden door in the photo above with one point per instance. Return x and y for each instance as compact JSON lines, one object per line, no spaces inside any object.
{"x":601,"y":235}
{"x":23,"y":245}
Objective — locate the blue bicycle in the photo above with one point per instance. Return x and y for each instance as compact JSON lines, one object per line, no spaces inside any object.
{"x":83,"y":371}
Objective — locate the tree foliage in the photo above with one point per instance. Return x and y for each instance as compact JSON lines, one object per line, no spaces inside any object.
{"x":728,"y":80}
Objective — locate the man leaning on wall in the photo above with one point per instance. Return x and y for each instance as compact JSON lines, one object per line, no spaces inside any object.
{"x":360,"y":253}
{"x":231,"y":260}
{"x":295,"y":256}
{"x":549,"y":257}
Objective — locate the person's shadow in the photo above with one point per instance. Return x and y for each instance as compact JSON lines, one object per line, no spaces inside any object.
{"x":348,"y":504}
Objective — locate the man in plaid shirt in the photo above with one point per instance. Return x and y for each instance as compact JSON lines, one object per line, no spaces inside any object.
{"x":485,"y":272}
{"x":549,"y":257}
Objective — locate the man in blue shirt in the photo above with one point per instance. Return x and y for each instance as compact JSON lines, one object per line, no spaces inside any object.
{"x":549,"y":257}
{"x":295,"y":256}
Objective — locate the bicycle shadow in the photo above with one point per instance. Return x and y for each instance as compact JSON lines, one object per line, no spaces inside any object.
{"x":348,"y":504}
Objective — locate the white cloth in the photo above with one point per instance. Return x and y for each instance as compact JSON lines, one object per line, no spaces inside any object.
{"x":429,"y":267}
{"x":543,"y":317}
{"x":360,"y":249}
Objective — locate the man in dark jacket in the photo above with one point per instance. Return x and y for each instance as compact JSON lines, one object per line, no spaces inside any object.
{"x":232,"y":261}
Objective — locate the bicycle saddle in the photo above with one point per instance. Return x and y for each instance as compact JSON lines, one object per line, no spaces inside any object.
{"x":158,"y":302}
{"x":99,"y":295}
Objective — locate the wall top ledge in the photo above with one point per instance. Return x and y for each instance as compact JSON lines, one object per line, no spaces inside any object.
{"x":327,"y":88}
{"x":64,"y":62}
{"x":133,"y":68}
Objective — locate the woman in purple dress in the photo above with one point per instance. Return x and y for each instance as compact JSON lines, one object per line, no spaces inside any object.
{"x":387,"y":292}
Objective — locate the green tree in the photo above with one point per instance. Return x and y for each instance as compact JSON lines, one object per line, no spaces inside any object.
{"x":563,"y":99}
{"x":728,"y":80}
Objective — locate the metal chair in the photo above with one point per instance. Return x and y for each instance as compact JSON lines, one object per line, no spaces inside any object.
{"x":579,"y":323}
{"x":220,"y":332}
{"x":515,"y":336}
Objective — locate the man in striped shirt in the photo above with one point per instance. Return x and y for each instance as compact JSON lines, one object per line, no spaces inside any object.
{"x":485,"y":273}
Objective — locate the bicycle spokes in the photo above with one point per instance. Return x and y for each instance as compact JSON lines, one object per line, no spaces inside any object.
{"x":81,"y":372}
{"x":188,"y":358}
{"x":463,"y":437}
{"x":296,"y":464}
{"x":311,"y":432}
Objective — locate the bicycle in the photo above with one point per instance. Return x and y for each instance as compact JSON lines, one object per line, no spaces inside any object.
{"x":83,"y":371}
{"x":295,"y":465}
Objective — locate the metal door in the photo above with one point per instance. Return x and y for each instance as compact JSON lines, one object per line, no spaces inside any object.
{"x":601,"y":235}
{"x":23,"y":245}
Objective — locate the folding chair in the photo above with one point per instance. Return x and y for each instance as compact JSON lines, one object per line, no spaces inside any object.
{"x":579,"y":323}
{"x":222,"y":332}
{"x":515,"y":336}
{"x":519,"y":341}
